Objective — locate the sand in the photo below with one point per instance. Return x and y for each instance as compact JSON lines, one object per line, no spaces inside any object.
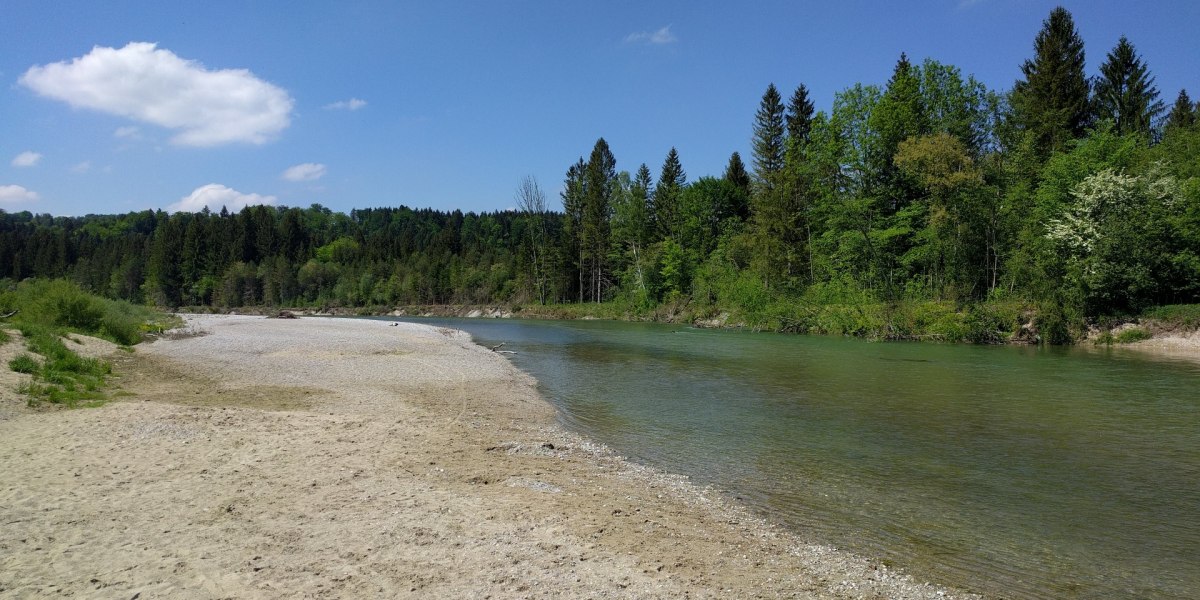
{"x":336,"y":458}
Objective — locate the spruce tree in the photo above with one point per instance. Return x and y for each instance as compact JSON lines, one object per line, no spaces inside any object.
{"x":1051,"y":102}
{"x":768,"y":139}
{"x":642,"y":180}
{"x":800,"y":116}
{"x":735,"y":173}
{"x":1183,"y":113}
{"x":1125,"y":92}
{"x":899,"y":115}
{"x":666,"y":195}
{"x":599,"y":177}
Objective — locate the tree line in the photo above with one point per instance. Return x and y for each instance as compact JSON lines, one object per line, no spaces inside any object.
{"x":1071,"y":195}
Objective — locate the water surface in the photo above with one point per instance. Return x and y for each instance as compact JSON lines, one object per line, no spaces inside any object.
{"x":1014,"y":471}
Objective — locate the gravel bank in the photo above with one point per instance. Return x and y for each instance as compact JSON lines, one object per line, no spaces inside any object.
{"x":344,"y":458}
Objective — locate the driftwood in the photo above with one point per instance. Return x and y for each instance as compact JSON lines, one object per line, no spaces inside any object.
{"x":7,"y":315}
{"x":283,"y":314}
{"x":497,"y":349}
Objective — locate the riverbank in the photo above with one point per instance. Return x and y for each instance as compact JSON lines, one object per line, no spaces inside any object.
{"x":343,"y":458}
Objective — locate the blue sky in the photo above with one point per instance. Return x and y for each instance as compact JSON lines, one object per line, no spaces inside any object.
{"x":110,"y":107}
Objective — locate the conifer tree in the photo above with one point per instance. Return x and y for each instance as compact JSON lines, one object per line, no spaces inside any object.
{"x":1125,"y":92}
{"x":735,"y":172}
{"x":899,"y":115}
{"x":1183,"y":113}
{"x":599,"y":176}
{"x":573,"y":210}
{"x":799,"y":116}
{"x":1051,"y":102}
{"x":666,"y":194}
{"x":768,"y":142}
{"x":643,"y":181}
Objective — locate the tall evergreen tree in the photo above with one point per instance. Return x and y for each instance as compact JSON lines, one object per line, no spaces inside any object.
{"x":768,"y":142}
{"x":735,"y":173}
{"x":899,"y":115}
{"x":642,"y":180}
{"x":573,"y":211}
{"x":799,"y":116}
{"x":1125,"y":92}
{"x":599,"y":177}
{"x":1183,"y":113}
{"x":1051,"y":103}
{"x":666,"y":195}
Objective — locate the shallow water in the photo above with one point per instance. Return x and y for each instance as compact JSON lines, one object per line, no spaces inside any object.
{"x":1017,"y":472}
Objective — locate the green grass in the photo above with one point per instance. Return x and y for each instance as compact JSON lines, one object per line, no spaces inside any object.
{"x":25,"y":363}
{"x":48,"y":311}
{"x":1176,"y":315}
{"x":1132,"y":335}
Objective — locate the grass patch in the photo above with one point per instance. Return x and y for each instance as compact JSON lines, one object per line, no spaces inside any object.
{"x":1175,"y":315}
{"x":1132,"y":335}
{"x":25,"y":363}
{"x":48,"y":312}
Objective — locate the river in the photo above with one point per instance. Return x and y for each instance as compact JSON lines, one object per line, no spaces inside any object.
{"x":1017,"y":472}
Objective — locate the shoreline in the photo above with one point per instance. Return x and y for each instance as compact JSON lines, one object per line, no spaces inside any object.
{"x":346,"y":458}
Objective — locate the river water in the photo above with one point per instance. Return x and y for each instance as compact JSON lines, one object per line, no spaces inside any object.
{"x":1017,"y":472}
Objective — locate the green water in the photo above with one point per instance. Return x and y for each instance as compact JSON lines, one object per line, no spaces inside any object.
{"x":1016,"y":472}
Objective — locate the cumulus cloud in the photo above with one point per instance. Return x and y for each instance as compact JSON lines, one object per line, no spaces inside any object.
{"x":304,"y":172}
{"x":660,"y":37}
{"x":215,"y":195}
{"x":27,"y":158}
{"x":351,"y":104}
{"x":128,"y":133}
{"x":15,"y":194}
{"x":153,"y":85}
{"x":82,"y":167}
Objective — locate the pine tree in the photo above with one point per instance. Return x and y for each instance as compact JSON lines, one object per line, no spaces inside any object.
{"x":1051,"y":102}
{"x":1183,"y":113}
{"x":1125,"y":92}
{"x":768,"y":139}
{"x":799,"y":116}
{"x":735,"y":173}
{"x":671,"y":180}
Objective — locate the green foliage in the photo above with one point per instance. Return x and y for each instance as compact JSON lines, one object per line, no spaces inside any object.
{"x":1125,"y":92}
{"x":47,"y":310}
{"x":927,"y":208}
{"x":61,"y":305}
{"x":63,"y":377}
{"x":1131,"y":335}
{"x":768,"y":138}
{"x":1052,"y":101}
{"x":24,"y":363}
{"x":1185,"y":316}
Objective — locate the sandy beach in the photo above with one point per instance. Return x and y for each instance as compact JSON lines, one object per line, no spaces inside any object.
{"x":264,"y":458}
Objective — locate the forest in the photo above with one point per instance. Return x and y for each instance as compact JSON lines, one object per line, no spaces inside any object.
{"x":929,"y":205}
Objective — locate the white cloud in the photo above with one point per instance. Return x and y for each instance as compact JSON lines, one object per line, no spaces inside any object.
{"x":304,"y":172}
{"x":351,"y":104}
{"x":129,"y":132}
{"x":153,"y":85}
{"x":15,"y":194}
{"x":27,"y":158}
{"x":82,"y":167}
{"x":661,"y":37}
{"x":215,"y":195}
